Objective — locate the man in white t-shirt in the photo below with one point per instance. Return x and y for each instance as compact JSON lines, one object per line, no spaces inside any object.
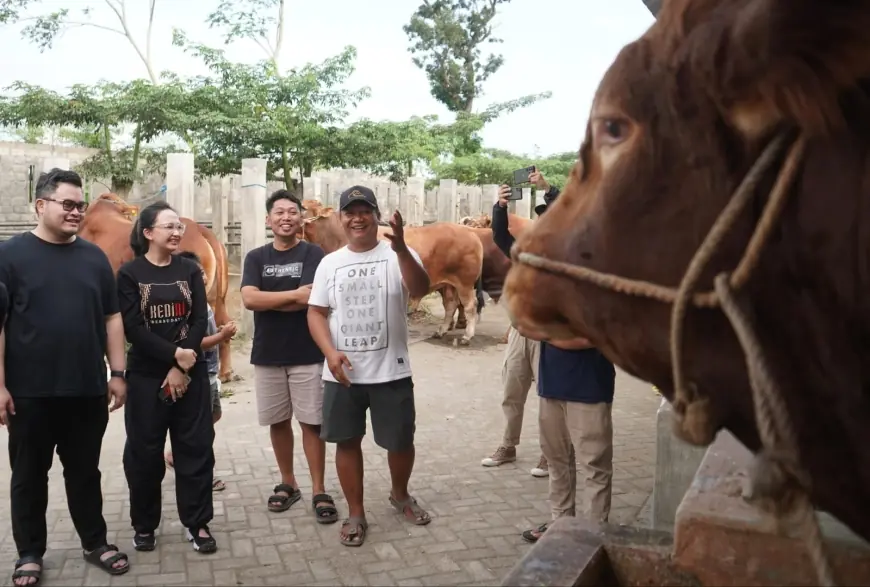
{"x":357,"y":315}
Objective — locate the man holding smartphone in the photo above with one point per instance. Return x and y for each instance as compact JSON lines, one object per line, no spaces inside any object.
{"x":520,"y":365}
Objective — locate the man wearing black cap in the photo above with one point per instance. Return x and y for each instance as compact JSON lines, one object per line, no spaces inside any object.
{"x":357,"y":315}
{"x":575,"y":390}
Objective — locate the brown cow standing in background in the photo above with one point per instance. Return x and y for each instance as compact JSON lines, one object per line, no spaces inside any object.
{"x":108,"y":223}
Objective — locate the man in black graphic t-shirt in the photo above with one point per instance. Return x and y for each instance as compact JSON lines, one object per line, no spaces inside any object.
{"x":63,"y":321}
{"x":288,"y":366}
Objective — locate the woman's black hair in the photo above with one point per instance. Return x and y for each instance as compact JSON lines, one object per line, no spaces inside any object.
{"x":146,"y":219}
{"x":190,"y":255}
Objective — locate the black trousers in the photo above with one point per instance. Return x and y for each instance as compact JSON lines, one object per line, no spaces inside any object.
{"x":191,"y":430}
{"x":75,"y":427}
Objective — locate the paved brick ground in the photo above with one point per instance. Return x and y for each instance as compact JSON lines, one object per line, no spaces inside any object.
{"x":478,"y":512}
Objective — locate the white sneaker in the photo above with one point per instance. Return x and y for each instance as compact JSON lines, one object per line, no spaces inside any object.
{"x":501,"y":456}
{"x":542,"y":469}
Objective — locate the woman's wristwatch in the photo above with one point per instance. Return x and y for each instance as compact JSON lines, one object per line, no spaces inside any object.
{"x":114,"y":373}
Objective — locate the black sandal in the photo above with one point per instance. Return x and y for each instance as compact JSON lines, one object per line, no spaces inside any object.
{"x":529,"y":535}
{"x":282,"y":503}
{"x":35,"y":574}
{"x":324,"y":514}
{"x":108,"y":564}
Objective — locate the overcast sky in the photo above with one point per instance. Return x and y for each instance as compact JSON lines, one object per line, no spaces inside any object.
{"x":563,"y":46}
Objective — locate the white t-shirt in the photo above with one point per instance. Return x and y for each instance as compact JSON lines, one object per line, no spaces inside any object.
{"x":368,"y":305}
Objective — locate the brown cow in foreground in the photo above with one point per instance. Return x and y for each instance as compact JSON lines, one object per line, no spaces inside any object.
{"x":108,"y":224}
{"x":451,"y":254}
{"x":676,"y":123}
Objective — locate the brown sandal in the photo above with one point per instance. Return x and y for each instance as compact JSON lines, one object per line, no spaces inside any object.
{"x":357,"y":533}
{"x":421,"y":516}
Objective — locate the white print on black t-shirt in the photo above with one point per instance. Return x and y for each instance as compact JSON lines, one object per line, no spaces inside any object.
{"x":288,"y":270}
{"x":156,"y":311}
{"x":361,"y":300}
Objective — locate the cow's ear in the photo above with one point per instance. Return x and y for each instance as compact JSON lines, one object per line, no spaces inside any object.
{"x":772,"y":61}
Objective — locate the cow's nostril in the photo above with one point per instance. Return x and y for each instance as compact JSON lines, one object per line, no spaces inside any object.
{"x":586,"y":256}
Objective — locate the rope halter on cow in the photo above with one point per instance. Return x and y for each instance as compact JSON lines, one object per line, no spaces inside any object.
{"x":779,"y":485}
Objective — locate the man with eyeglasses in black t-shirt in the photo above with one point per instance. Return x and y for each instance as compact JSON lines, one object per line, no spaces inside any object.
{"x":63,"y":321}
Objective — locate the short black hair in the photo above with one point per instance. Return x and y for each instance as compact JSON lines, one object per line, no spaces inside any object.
{"x":282,"y":195}
{"x":190,"y":255}
{"x":49,"y":181}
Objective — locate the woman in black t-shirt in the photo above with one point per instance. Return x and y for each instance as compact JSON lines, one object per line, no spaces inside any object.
{"x":163,"y":302}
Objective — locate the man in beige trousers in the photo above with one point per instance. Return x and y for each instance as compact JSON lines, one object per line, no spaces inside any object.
{"x":521,"y":358}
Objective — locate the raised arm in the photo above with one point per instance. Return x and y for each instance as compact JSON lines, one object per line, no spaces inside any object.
{"x":500,"y":233}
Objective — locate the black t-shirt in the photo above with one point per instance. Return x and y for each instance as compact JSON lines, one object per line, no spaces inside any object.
{"x":282,"y":338}
{"x":59,"y":298}
{"x":164,"y":308}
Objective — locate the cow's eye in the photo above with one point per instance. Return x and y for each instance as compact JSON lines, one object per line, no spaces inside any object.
{"x":610,"y":131}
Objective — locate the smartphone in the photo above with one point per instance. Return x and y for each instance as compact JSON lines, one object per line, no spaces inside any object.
{"x":516,"y":194}
{"x":166,"y":391}
{"x":522,"y":175}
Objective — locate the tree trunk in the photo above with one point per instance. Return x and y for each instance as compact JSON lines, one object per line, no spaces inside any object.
{"x":122,"y":189}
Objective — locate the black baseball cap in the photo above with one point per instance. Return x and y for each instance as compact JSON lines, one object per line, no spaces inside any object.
{"x":357,"y":193}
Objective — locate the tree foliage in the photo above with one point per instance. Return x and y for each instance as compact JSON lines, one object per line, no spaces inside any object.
{"x":493,"y":166}
{"x":447,"y":37}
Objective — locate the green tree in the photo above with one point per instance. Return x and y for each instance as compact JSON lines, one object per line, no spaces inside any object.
{"x":293,"y":120}
{"x":44,"y":28}
{"x":447,"y":37}
{"x":493,"y":166}
{"x":99,"y":116}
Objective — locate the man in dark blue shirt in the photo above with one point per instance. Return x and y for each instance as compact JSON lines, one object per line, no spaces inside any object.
{"x":575,"y":387}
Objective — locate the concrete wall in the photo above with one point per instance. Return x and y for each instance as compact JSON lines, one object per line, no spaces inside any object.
{"x":15,"y":158}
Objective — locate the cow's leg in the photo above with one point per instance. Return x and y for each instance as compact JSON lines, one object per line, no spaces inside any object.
{"x":450,"y":301}
{"x":462,"y":320}
{"x":468,"y":297}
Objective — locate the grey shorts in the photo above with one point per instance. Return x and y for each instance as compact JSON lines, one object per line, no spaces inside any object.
{"x":392,"y":411}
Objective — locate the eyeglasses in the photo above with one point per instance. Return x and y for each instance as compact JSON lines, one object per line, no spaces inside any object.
{"x":179,"y":227}
{"x":68,"y":205}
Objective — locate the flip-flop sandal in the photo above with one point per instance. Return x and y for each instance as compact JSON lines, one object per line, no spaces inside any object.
{"x":218,"y":485}
{"x":530,"y":535}
{"x":356,"y":535}
{"x":421,"y":516}
{"x":323,"y":513}
{"x":282,"y":503}
{"x":108,"y":564}
{"x":35,"y":574}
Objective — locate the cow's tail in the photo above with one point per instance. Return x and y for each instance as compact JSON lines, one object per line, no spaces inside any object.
{"x":478,"y":292}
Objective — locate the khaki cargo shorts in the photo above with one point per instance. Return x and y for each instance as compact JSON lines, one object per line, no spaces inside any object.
{"x":284,"y":391}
